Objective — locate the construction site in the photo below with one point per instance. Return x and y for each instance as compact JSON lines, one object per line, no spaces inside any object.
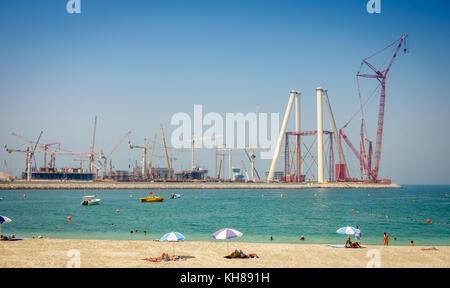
{"x":323,"y":161}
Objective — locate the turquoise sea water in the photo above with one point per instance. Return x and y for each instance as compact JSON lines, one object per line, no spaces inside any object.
{"x":259,"y":214}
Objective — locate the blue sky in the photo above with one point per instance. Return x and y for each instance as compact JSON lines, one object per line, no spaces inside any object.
{"x":136,"y":63}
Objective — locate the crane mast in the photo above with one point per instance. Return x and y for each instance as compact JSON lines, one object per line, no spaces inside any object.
{"x":165,"y":148}
{"x":91,"y":156}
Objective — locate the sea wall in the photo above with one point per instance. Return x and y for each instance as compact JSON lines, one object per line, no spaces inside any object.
{"x":56,"y":185}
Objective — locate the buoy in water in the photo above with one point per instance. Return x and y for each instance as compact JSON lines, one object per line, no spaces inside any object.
{"x":117,"y":211}
{"x":353,"y":210}
{"x":310,"y":201}
{"x":428,"y":221}
{"x":24,"y":196}
{"x":281,"y":195}
{"x":69,"y":218}
{"x":414,"y":201}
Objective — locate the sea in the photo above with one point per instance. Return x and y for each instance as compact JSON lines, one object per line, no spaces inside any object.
{"x":285,"y":215}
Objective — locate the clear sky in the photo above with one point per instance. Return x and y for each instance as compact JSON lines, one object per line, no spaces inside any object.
{"x":135,"y":63}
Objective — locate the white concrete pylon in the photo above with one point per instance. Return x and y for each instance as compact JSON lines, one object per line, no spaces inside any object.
{"x":281,"y":136}
{"x":319,"y":136}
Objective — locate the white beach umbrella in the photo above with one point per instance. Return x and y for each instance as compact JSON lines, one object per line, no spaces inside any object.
{"x":3,"y":219}
{"x":348,"y":230}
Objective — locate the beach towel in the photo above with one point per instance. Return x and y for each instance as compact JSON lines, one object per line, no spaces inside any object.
{"x":251,"y":256}
{"x":15,"y":239}
{"x":161,"y":260}
{"x":430,"y":249}
{"x":337,"y":246}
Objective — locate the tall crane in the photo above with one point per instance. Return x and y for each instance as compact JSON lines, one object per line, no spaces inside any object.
{"x":144,"y":156}
{"x":44,"y":146}
{"x":106,"y":157}
{"x":91,"y":155}
{"x":193,"y":139}
{"x":31,"y":154}
{"x":165,"y":148}
{"x":380,"y":75}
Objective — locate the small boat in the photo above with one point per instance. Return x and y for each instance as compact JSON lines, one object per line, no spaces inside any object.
{"x":175,"y":196}
{"x":90,"y":200}
{"x":152,"y":199}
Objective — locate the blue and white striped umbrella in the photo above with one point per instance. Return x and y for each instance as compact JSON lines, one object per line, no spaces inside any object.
{"x":172,"y":237}
{"x":4,"y":219}
{"x":348,"y":230}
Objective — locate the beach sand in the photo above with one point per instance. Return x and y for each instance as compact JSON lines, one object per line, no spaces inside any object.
{"x":126,"y":253}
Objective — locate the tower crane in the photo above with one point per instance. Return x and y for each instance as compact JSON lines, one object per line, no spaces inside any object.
{"x":192,"y":141}
{"x":106,"y":157}
{"x":144,"y":156}
{"x":31,"y":154}
{"x":44,"y":147}
{"x":91,"y":155}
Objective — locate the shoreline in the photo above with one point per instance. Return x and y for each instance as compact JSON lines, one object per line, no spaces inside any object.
{"x":59,"y":253}
{"x":58,"y":185}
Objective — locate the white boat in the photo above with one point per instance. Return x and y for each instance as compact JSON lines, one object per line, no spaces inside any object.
{"x":175,"y":196}
{"x":90,"y":200}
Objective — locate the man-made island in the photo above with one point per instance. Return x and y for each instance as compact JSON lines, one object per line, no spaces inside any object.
{"x":91,"y":185}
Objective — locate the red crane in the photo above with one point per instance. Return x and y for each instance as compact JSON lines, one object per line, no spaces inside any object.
{"x":45,"y":146}
{"x":380,"y":76}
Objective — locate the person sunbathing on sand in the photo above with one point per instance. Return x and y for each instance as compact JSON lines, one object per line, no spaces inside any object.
{"x":165,"y":257}
{"x":240,"y":254}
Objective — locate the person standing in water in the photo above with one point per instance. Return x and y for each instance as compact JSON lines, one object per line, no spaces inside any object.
{"x":386,"y":239}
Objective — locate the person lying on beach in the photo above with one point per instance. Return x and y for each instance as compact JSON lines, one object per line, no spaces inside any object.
{"x":240,"y":254}
{"x":166,"y":257}
{"x":163,"y":258}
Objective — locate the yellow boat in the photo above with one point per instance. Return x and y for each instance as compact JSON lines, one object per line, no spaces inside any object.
{"x":152,"y":199}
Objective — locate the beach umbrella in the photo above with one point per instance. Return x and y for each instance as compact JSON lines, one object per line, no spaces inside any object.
{"x":348,"y":230}
{"x":3,"y":219}
{"x":225,"y":234}
{"x":172,"y":237}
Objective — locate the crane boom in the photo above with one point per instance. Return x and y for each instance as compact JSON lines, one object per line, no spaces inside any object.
{"x":118,"y":144}
{"x":381,"y":76}
{"x":165,"y":147}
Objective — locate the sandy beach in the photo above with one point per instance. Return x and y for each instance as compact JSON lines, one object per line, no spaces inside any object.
{"x":59,"y":253}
